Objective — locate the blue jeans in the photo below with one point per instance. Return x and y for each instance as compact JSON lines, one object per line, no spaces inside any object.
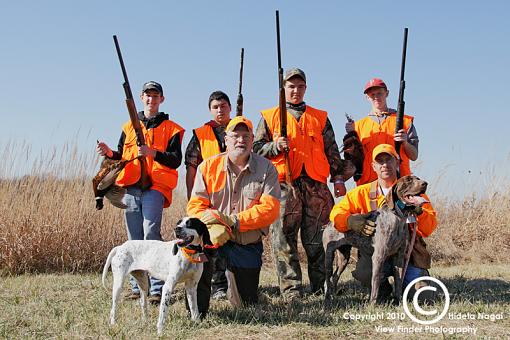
{"x":143,"y":222}
{"x":412,"y":273}
{"x":245,"y":262}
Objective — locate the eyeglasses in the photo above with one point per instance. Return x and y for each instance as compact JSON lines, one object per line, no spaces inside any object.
{"x":243,"y":137}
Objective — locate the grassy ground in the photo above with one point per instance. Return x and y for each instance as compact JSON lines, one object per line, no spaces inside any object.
{"x":76,"y":306}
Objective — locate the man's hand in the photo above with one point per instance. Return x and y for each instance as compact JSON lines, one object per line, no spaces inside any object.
{"x":339,"y":188}
{"x":360,"y":223}
{"x":103,"y":150}
{"x":219,"y":234}
{"x":213,"y":216}
{"x":417,"y":211}
{"x":349,"y":126}
{"x":282,"y":144}
{"x":401,"y":136}
{"x":146,"y":151}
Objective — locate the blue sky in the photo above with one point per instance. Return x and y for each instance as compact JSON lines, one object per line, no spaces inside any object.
{"x":62,"y":82}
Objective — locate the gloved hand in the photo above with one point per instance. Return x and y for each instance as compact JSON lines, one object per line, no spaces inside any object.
{"x":213,"y":216}
{"x":417,"y":210}
{"x":361,"y":224}
{"x":219,"y":234}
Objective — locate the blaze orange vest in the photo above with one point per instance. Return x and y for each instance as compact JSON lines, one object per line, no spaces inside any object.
{"x":164,"y":179}
{"x":306,"y":144}
{"x":209,"y":145}
{"x":372,"y":134}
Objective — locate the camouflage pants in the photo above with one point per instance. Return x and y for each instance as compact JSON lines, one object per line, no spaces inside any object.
{"x":307,"y":211}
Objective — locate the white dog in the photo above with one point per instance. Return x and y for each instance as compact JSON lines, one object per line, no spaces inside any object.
{"x":175,"y":261}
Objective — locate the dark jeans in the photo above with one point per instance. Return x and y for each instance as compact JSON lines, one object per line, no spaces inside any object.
{"x":244,"y":261}
{"x":219,"y":280}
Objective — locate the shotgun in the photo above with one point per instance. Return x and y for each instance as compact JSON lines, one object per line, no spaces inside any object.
{"x":401,"y":103}
{"x":145,"y":181}
{"x":282,"y":102}
{"x":239,"y":108}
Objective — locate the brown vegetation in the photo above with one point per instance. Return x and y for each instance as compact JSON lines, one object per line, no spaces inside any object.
{"x":49,"y":223}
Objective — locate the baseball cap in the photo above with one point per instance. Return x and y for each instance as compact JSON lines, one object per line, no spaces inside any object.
{"x":239,"y":120}
{"x":152,"y":85}
{"x":384,"y":148}
{"x":375,"y":82}
{"x":291,"y":72}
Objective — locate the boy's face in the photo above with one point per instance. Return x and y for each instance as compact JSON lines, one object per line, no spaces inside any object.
{"x":377,"y":97}
{"x":295,"y":89}
{"x":220,"y":111}
{"x":151,"y":100}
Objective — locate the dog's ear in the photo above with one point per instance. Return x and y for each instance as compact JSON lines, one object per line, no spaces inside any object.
{"x":175,"y":249}
{"x":391,"y":197}
{"x":206,"y":238}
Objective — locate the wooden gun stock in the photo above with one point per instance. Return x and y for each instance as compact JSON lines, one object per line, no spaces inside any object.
{"x":145,"y":180}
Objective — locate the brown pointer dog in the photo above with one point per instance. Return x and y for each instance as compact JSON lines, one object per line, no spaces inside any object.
{"x":390,"y":239}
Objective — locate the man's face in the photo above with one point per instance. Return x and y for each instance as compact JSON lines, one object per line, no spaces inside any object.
{"x":239,"y":141}
{"x":385,"y":165}
{"x":295,"y":89}
{"x":151,"y":100}
{"x":377,"y":97}
{"x":220,"y":111}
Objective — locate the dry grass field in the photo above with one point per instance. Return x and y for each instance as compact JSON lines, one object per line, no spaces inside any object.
{"x":53,"y":244}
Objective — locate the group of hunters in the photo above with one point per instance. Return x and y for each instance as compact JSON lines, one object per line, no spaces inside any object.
{"x":243,"y":182}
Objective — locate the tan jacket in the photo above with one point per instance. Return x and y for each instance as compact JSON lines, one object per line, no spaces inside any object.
{"x":253,"y":195}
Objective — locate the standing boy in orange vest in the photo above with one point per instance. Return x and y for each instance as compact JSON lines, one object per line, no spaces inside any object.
{"x":209,"y":140}
{"x":163,"y":156}
{"x":306,"y":201}
{"x":379,"y":128}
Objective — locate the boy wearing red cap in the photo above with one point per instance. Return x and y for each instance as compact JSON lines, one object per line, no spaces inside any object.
{"x":379,"y":128}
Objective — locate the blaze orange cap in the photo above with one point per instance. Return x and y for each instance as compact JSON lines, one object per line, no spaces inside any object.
{"x":239,"y":120}
{"x":384,"y":148}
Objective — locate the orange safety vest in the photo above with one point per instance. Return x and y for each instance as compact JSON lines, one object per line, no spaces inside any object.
{"x":306,"y":146}
{"x":209,"y":145}
{"x":164,"y":179}
{"x":366,"y":198}
{"x":372,"y":134}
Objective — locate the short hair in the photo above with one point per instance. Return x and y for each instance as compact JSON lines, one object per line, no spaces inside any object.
{"x":218,"y":95}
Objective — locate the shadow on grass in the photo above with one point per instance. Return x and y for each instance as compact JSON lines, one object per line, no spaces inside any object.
{"x":275,"y":310}
{"x":477,"y":290}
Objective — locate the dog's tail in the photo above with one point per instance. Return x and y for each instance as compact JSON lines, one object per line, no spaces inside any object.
{"x":107,"y":265}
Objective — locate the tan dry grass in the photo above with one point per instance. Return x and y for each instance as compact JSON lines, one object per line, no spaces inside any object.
{"x":49,"y":222}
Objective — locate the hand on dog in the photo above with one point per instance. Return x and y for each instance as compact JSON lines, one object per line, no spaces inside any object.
{"x":219,"y":234}
{"x":213,"y":216}
{"x":417,"y":210}
{"x":361,"y":224}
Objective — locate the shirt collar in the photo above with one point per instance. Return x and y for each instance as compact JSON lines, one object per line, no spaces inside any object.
{"x":383,"y":114}
{"x":250,"y":166}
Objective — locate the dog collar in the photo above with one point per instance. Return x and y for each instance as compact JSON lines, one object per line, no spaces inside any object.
{"x":189,"y":254}
{"x":401,"y":205}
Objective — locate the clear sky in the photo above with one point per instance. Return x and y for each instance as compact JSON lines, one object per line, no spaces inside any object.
{"x":61,"y":81}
